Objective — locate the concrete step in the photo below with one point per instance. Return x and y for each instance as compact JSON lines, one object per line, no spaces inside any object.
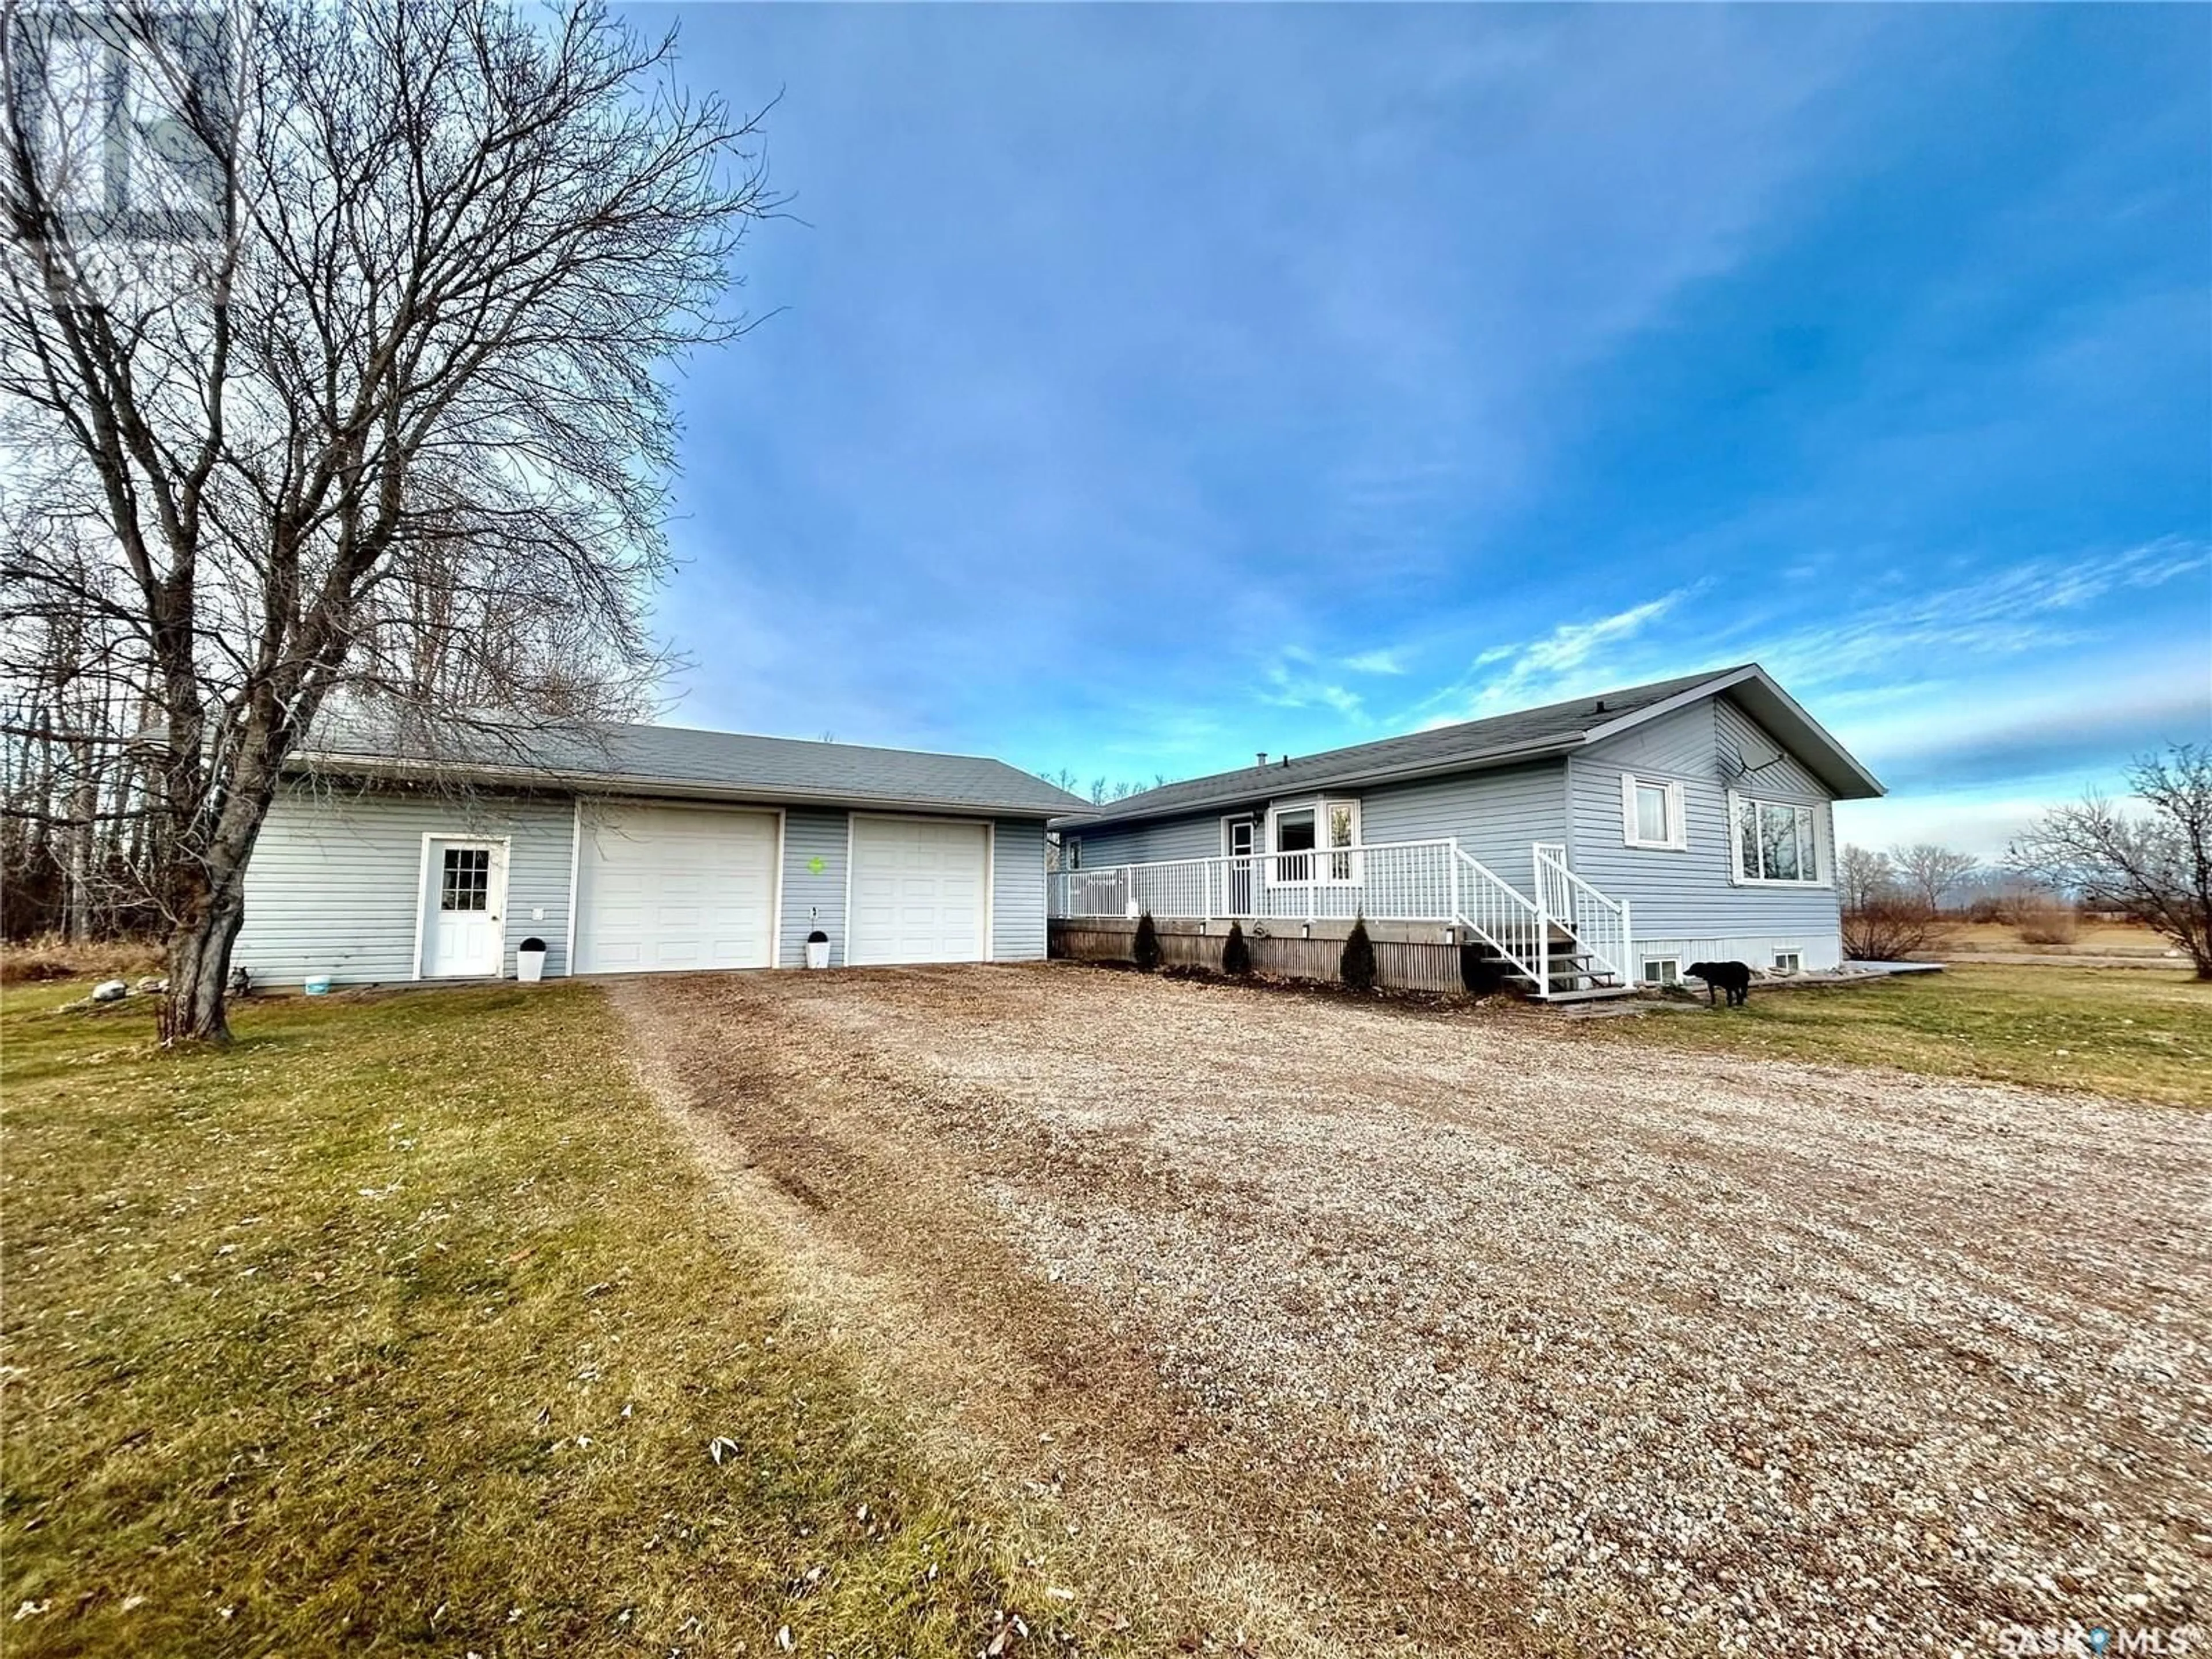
{"x":1596,"y":993}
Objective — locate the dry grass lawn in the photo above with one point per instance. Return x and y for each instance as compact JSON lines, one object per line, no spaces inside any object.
{"x":409,"y":1325}
{"x":2090,"y":938}
{"x":2144,"y":1034}
{"x":1329,"y":1328}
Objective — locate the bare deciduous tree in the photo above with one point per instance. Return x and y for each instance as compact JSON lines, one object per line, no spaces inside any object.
{"x":1932,"y":872}
{"x":381,"y":418}
{"x":1864,"y":876}
{"x":2153,"y":867}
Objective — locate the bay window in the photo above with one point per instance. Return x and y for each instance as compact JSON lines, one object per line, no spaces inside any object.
{"x":1303,"y":835}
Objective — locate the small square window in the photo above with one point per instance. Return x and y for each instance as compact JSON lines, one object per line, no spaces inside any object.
{"x":1788,"y":962}
{"x":1662,"y":970}
{"x":1651,"y":813}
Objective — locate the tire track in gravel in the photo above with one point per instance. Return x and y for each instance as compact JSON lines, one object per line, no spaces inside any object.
{"x":1681,"y":1354}
{"x":1193,"y":1535}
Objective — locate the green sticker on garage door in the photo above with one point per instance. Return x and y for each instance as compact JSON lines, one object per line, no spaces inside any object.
{"x":815,"y":866}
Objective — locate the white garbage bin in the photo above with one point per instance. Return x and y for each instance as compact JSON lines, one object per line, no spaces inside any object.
{"x":530,"y":961}
{"x":817,"y":949}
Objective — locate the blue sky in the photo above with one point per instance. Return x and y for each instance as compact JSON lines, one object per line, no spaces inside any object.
{"x":1151,"y":386}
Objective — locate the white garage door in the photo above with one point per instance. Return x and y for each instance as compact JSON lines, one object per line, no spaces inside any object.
{"x":665,"y":888}
{"x":920,"y":890}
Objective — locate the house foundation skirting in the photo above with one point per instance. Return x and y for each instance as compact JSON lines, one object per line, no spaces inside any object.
{"x":1409,"y":956}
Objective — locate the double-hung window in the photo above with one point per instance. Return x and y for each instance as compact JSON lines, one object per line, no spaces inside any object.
{"x":1775,"y":841}
{"x":1651,"y":813}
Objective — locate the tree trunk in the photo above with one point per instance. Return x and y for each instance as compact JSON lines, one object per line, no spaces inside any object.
{"x":83,"y":807}
{"x":199,"y":963}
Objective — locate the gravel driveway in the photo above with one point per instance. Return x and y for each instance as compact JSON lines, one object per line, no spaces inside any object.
{"x":1457,"y":1332}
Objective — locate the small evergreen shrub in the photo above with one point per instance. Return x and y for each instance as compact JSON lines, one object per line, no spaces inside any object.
{"x":1147,"y":949}
{"x":1236,"y":952}
{"x":1357,"y":965}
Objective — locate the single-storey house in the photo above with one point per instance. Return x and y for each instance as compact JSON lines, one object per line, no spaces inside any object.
{"x":1581,"y":848}
{"x":640,"y":848}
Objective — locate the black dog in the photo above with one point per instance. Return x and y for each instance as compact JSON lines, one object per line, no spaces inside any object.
{"x":1732,"y":977}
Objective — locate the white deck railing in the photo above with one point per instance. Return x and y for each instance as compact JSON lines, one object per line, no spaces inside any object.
{"x":1405,"y":881}
{"x":1388,"y":881}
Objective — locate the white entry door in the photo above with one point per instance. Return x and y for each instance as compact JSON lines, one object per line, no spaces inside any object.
{"x":467,"y":891}
{"x":921,"y":891}
{"x":663,"y":888}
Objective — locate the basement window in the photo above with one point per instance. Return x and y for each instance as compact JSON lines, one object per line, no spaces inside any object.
{"x":1788,"y":962}
{"x":1662,"y":970}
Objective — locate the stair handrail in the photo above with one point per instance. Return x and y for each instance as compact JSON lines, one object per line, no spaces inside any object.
{"x":1498,"y":888}
{"x":1550,"y":862}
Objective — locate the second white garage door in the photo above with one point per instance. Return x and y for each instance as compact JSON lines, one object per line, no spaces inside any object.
{"x":660,"y":889}
{"x":921,"y":891}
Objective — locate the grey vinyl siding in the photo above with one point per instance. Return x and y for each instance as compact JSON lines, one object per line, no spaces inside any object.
{"x":1190,"y":837}
{"x":811,"y":901}
{"x":1692,"y":894}
{"x":1498,"y":815}
{"x":335,"y":883}
{"x":1018,"y":890}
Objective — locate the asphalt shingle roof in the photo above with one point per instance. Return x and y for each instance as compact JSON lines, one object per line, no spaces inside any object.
{"x":704,"y":764}
{"x":1472,"y":743}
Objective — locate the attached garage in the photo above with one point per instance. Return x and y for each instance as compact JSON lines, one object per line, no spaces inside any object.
{"x":921,"y":891}
{"x":665,"y":888}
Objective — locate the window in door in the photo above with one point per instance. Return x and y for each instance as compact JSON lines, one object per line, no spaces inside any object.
{"x":465,"y":879}
{"x":1070,"y":852}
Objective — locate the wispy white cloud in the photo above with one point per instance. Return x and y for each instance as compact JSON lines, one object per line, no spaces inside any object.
{"x":1392,"y":661}
{"x":1534,"y":670}
{"x":1302,"y":684}
{"x":2034,"y":606}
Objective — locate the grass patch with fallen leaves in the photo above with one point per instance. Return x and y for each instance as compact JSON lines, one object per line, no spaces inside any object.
{"x":2136,"y":1033}
{"x":409,"y":1324}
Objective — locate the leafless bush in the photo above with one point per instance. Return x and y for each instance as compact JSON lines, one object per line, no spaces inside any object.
{"x":2049,"y":923}
{"x":1886,"y":918}
{"x":1892,"y":929}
